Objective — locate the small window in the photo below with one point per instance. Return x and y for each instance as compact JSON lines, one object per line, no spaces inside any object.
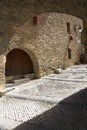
{"x":75,"y":29}
{"x":68,"y":27}
{"x":69,"y":53}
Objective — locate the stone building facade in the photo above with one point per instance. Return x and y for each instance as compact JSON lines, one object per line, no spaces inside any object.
{"x":41,"y":45}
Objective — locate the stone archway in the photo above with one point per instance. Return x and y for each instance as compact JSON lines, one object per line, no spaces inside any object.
{"x":20,"y":64}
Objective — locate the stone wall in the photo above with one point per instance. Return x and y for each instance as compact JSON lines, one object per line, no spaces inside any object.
{"x":14,"y":13}
{"x":47,"y":42}
{"x":2,"y":71}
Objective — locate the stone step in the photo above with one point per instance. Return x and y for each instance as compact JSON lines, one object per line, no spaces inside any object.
{"x":18,"y":81}
{"x":17,"y":78}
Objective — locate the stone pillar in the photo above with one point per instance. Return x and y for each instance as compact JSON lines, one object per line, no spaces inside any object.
{"x":2,"y":71}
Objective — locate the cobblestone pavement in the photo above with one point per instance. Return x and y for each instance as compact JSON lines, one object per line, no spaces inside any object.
{"x":21,"y":110}
{"x":69,"y":114}
{"x":26,"y":100}
{"x":50,"y":88}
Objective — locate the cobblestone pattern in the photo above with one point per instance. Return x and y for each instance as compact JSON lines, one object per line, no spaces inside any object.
{"x":70,"y":114}
{"x":50,"y":86}
{"x":62,"y":116}
{"x":21,"y":110}
{"x":60,"y":88}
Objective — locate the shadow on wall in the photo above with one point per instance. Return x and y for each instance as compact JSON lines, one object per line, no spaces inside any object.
{"x":12,"y":19}
{"x":69,"y":114}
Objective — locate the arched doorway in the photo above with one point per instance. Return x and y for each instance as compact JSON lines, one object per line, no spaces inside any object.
{"x":18,"y":63}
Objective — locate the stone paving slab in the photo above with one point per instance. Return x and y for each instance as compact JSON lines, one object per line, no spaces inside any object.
{"x":76,"y":69}
{"x":79,"y":66}
{"x":70,"y":79}
{"x":48,"y":99}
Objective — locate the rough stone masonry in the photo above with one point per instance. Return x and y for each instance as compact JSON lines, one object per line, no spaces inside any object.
{"x":52,"y":43}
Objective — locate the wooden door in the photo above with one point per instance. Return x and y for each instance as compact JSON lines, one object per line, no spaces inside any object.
{"x":18,"y":63}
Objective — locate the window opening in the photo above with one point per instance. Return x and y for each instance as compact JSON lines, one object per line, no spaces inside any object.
{"x":68,"y":27}
{"x":75,"y":29}
{"x":69,"y":53}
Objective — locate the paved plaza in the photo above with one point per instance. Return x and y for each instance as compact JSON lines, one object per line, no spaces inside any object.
{"x":30,"y":99}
